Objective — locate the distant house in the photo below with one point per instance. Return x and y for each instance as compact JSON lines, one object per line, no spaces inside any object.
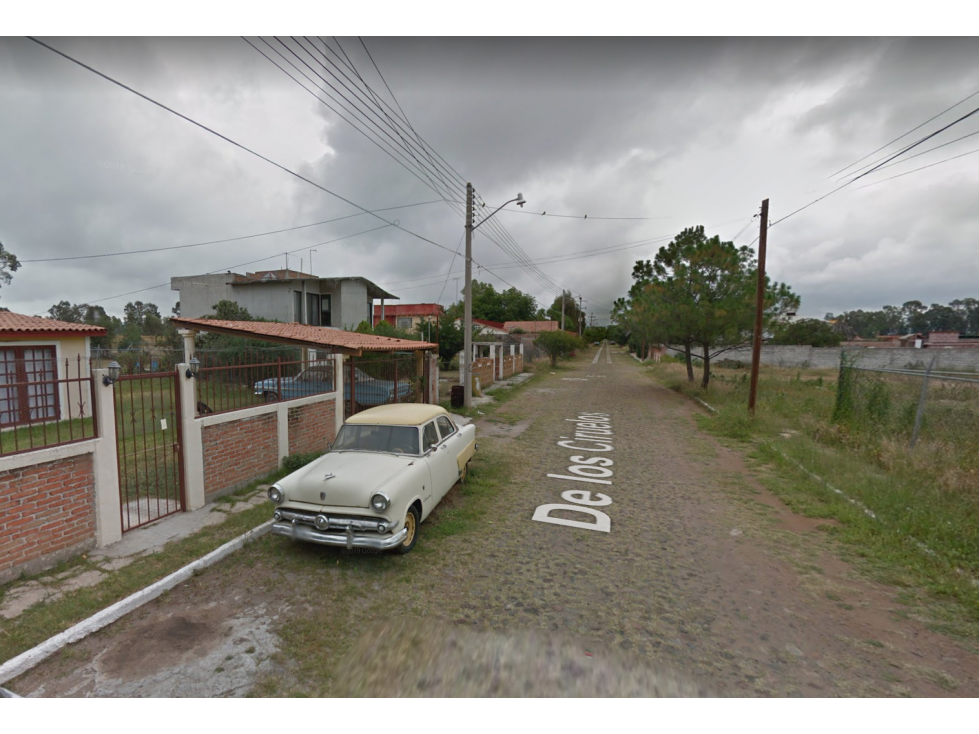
{"x":950,"y":339}
{"x":282,"y":295}
{"x":532,"y":327}
{"x":486,"y":328}
{"x":407,"y":315}
{"x":35,"y":353}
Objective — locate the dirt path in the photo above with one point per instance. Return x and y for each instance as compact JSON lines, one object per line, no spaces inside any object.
{"x":703,"y":578}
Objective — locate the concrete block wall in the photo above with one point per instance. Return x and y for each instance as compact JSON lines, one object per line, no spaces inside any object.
{"x":47,"y":513}
{"x":829,"y":357}
{"x":483,"y":368}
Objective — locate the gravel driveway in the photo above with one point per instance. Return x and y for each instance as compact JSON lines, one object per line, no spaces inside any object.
{"x":705,"y":584}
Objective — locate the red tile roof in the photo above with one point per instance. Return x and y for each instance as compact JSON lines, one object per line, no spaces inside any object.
{"x":303,"y":335}
{"x":15,"y":323}
{"x":408,"y":309}
{"x":532,"y":327}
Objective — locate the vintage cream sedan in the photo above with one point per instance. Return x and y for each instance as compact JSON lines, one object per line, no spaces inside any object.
{"x":385,"y":472}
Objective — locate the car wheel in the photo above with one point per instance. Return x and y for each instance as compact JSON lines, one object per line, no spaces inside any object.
{"x":271,"y":397}
{"x":411,"y":522}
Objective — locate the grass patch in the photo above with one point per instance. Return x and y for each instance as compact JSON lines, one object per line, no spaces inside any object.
{"x":50,"y":433}
{"x":925,"y":533}
{"x":47,"y":619}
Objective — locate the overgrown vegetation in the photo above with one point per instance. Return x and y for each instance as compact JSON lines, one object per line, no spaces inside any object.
{"x":558,"y":345}
{"x":822,"y":433}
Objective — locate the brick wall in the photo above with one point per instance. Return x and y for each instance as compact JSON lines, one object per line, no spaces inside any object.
{"x":311,"y":427}
{"x":483,"y":369}
{"x":238,"y":451}
{"x":507,"y":366}
{"x":517,"y":364}
{"x":47,"y":512}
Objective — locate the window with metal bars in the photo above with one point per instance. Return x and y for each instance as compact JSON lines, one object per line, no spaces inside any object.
{"x":28,"y":385}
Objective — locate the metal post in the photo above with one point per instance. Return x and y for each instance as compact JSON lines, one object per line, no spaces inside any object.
{"x":467,"y":324}
{"x":759,"y":308}
{"x":921,"y":402}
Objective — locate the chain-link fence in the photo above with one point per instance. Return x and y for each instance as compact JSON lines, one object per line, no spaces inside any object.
{"x":915,"y":405}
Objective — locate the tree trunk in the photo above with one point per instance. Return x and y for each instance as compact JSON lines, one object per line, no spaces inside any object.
{"x":689,"y":358}
{"x":706,"y":381}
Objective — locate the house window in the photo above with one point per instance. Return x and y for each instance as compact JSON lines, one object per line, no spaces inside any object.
{"x":404,"y":322}
{"x":326,"y":303}
{"x":297,"y":302}
{"x":28,"y":387}
{"x":313,"y":309}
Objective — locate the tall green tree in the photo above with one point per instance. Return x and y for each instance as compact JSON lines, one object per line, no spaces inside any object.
{"x":492,"y":305}
{"x":8,"y":264}
{"x":700,"y":291}
{"x":573,"y":316}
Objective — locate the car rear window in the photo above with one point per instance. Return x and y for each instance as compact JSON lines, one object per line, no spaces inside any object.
{"x":393,"y":439}
{"x":431,"y":437}
{"x":445,"y":426}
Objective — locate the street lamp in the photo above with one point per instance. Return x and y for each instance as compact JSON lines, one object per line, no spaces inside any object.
{"x":466,"y":366}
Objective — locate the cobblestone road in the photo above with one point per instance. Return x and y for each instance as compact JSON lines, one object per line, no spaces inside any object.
{"x":703,"y":573}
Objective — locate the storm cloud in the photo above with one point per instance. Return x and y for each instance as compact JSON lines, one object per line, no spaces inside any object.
{"x":669,"y":132}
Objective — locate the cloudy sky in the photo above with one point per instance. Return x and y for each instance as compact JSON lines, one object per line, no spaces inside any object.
{"x":644,"y":136}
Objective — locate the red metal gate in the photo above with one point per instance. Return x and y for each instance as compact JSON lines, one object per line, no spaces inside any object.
{"x":148,"y":439}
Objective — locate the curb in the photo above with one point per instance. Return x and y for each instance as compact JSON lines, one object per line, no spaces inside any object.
{"x":26,"y":660}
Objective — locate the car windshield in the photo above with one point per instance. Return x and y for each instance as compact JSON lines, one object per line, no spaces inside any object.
{"x":392,"y":439}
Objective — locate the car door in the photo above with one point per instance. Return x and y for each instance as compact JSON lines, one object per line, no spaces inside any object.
{"x":440,"y":460}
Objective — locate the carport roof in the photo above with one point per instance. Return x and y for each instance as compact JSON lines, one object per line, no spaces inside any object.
{"x":303,"y":335}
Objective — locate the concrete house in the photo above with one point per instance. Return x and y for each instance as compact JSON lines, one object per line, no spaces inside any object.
{"x":35,"y":354}
{"x":282,"y":295}
{"x":407,"y":315}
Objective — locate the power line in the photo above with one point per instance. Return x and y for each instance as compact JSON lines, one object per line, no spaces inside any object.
{"x":227,"y":239}
{"x":916,"y":144}
{"x":914,"y":170}
{"x":906,"y":134}
{"x":924,"y":152}
{"x":241,"y":265}
{"x":875,"y":168}
{"x":235,"y":143}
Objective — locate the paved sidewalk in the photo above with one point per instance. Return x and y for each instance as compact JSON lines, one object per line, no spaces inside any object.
{"x":136,"y":543}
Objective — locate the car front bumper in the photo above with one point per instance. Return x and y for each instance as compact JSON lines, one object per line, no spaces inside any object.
{"x":349,"y":539}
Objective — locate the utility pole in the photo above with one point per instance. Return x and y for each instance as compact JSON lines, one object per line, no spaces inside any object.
{"x":562,"y":309}
{"x":467,"y":325}
{"x":759,"y":308}
{"x":581,"y":315}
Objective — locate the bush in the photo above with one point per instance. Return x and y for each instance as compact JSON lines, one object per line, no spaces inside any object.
{"x":558,"y":345}
{"x":297,"y":461}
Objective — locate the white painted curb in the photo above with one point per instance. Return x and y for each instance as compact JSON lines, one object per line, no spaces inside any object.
{"x":27,"y":660}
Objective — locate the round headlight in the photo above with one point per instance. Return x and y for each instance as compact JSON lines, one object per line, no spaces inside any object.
{"x":322,"y":522}
{"x":276,"y":494}
{"x":380,"y":502}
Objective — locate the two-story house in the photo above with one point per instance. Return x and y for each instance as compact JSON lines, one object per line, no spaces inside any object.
{"x":283,"y":295}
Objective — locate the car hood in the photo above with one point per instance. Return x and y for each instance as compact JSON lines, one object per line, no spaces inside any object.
{"x":356,"y":475}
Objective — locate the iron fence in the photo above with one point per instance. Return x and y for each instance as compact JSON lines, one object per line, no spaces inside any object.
{"x":222,"y":388}
{"x":41,"y":403}
{"x":378,"y":379}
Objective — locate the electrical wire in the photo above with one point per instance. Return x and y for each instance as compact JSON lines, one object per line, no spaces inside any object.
{"x":905,"y":134}
{"x":915,"y":170}
{"x":227,"y":239}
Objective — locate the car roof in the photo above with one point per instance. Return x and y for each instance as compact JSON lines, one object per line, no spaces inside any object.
{"x":401,"y":414}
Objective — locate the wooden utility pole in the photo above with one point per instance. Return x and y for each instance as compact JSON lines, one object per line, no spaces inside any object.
{"x":562,"y":310}
{"x":759,"y":308}
{"x":581,"y":314}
